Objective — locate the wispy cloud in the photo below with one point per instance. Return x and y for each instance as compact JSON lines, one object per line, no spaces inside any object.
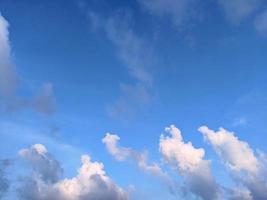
{"x":180,"y":12}
{"x":111,"y":142}
{"x":9,"y":81}
{"x":8,"y":75}
{"x":136,"y":54}
{"x":261,"y":23}
{"x":238,"y":10}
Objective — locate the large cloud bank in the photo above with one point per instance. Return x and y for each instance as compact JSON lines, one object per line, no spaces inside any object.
{"x":46,"y":183}
{"x":247,"y":168}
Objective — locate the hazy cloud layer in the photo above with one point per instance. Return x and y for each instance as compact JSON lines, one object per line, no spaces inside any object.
{"x":4,"y":182}
{"x":91,"y":182}
{"x":261,"y":23}
{"x":179,"y":11}
{"x":238,"y":10}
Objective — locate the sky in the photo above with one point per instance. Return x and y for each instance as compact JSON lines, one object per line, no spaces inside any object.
{"x":133,"y":100}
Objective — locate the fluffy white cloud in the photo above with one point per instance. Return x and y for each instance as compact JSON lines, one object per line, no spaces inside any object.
{"x":238,"y":10}
{"x":245,"y":166}
{"x":231,"y":149}
{"x":140,"y":159}
{"x":8,"y":75}
{"x":190,"y":163}
{"x":91,"y":182}
{"x":178,"y":11}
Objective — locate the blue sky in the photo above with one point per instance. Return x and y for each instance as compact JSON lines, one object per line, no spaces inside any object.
{"x":72,"y":71}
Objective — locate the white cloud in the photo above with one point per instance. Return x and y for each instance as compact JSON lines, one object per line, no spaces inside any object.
{"x":231,"y":149}
{"x":8,"y":75}
{"x":43,"y":102}
{"x":123,"y":153}
{"x":238,"y":10}
{"x":140,"y":159}
{"x":42,"y":162}
{"x":261,"y":23}
{"x":245,"y":167}
{"x":190,"y":163}
{"x":91,"y":182}
{"x":179,"y":11}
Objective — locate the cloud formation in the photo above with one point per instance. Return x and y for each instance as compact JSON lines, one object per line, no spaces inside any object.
{"x":136,"y":54}
{"x":91,"y":182}
{"x":4,"y":182}
{"x":124,"y":153}
{"x":42,"y":162}
{"x":245,"y":166}
{"x":140,"y":159}
{"x":179,"y":11}
{"x":238,"y":10}
{"x":8,"y":75}
{"x":190,"y":163}
{"x":261,"y":23}
{"x":9,"y":81}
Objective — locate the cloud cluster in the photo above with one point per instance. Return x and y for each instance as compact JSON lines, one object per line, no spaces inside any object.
{"x":245,"y":166}
{"x":9,"y":81}
{"x":247,"y":169}
{"x":140,"y":159}
{"x":91,"y":182}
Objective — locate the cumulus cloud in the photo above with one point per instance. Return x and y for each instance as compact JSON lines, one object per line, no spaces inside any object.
{"x":91,"y":182}
{"x":42,"y":162}
{"x":245,"y":165}
{"x":238,"y":10}
{"x":8,"y":75}
{"x":179,"y":11}
{"x":231,"y":149}
{"x":190,"y":163}
{"x":140,"y":158}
